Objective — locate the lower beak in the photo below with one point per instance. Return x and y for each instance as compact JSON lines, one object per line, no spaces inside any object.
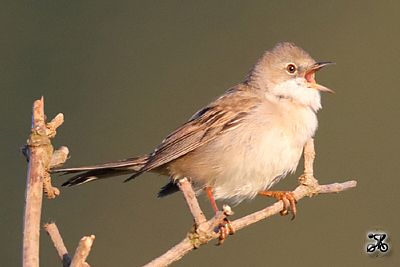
{"x":310,"y":73}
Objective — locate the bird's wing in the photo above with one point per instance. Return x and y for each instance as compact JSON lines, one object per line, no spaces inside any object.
{"x":220,"y":116}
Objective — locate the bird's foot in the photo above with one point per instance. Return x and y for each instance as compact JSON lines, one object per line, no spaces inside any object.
{"x":288,"y":199}
{"x":225,"y":228}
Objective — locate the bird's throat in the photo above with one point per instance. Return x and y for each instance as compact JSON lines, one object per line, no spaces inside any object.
{"x":297,"y":91}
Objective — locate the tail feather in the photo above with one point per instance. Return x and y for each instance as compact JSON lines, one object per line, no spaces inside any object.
{"x":101,"y":171}
{"x":168,"y":189}
{"x":94,"y":175}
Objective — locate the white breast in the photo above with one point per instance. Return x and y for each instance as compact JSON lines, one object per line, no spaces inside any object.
{"x":255,"y":155}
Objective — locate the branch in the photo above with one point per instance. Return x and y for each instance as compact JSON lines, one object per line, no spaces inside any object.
{"x":300,"y":192}
{"x":38,"y":151}
{"x":205,"y":232}
{"x":191,"y":200}
{"x":58,"y":157}
{"x":41,"y":157}
{"x":82,"y":252}
{"x":52,"y":231}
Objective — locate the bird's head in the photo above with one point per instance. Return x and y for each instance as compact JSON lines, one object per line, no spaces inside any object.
{"x":287,"y":71}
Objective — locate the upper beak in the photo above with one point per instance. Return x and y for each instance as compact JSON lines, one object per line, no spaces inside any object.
{"x":309,"y":76}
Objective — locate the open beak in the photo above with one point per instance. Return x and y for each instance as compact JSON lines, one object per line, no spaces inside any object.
{"x":310,"y":76}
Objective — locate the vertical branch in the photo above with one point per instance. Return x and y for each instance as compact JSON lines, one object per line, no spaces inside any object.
{"x":309,"y":156}
{"x":38,"y":146}
{"x":38,"y":152}
{"x":308,"y":178}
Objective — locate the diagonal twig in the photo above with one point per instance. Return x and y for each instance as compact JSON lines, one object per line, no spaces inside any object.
{"x":82,"y":252}
{"x":191,"y":200}
{"x":52,"y":231}
{"x":204,"y":232}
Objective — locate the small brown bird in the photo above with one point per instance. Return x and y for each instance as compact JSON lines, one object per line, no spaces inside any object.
{"x":242,"y":143}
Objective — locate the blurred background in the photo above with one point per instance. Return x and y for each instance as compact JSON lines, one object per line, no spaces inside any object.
{"x":126,"y":73}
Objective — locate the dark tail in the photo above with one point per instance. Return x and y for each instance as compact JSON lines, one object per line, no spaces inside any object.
{"x":101,"y":171}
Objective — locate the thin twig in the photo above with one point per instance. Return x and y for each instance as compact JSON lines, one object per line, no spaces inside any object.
{"x":187,"y":244}
{"x":204,"y":232}
{"x":309,"y":157}
{"x":58,"y":158}
{"x":300,"y":192}
{"x":191,"y":200}
{"x":173,"y":254}
{"x":82,"y":252}
{"x":307,"y":178}
{"x":52,"y":230}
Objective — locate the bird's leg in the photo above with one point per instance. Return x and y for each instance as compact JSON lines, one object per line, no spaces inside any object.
{"x":288,"y":199}
{"x":210,"y":196}
{"x":225,"y":227}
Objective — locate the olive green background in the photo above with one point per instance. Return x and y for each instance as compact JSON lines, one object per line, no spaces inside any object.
{"x":126,"y":73}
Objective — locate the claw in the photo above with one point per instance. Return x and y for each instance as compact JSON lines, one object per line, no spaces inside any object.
{"x":288,"y":199}
{"x":225,"y":229}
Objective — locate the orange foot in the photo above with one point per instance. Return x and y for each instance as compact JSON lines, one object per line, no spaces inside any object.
{"x":225,"y":228}
{"x":288,"y":199}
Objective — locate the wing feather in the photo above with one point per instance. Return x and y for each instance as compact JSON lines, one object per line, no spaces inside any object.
{"x":219,"y":117}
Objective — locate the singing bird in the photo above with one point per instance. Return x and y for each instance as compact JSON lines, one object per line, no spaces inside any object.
{"x":243,"y":142}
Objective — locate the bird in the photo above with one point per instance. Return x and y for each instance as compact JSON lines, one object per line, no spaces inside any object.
{"x":243,"y":142}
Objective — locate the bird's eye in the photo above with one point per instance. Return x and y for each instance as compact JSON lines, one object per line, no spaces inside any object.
{"x":291,"y":68}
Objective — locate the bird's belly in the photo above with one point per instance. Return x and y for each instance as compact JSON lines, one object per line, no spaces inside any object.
{"x":241,"y":166}
{"x":264,"y":162}
{"x":245,"y":161}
